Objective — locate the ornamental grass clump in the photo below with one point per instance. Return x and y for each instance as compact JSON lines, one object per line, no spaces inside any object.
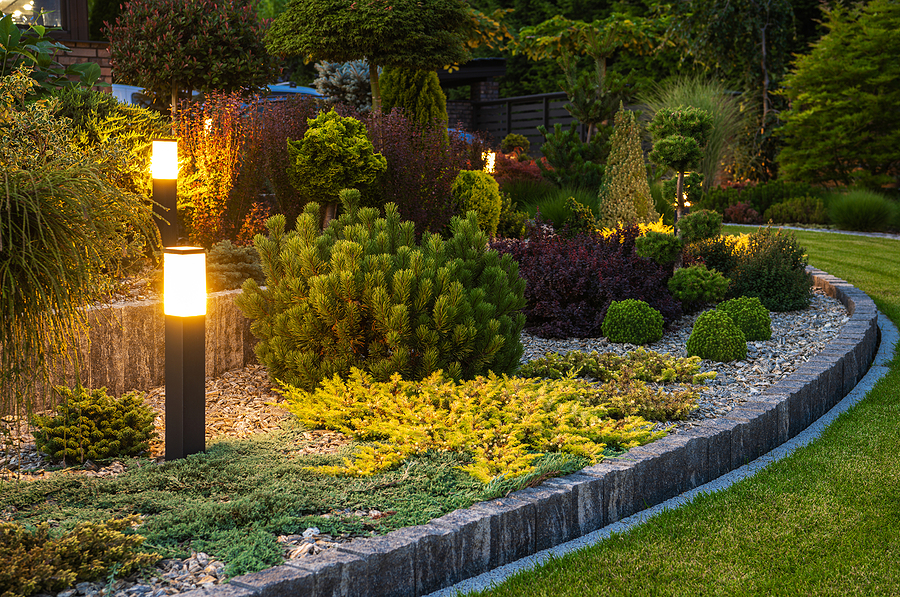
{"x":365,"y":294}
{"x":504,"y":423}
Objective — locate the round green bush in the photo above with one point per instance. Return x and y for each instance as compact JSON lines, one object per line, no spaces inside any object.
{"x":515,"y":141}
{"x":696,"y":285}
{"x":717,"y":337}
{"x":477,"y":191}
{"x":91,"y":425}
{"x":632,"y":321}
{"x":660,"y":247}
{"x":750,"y":315}
{"x":699,"y":225}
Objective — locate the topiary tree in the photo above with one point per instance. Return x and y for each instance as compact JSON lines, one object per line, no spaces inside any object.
{"x":679,"y":136}
{"x":843,"y":125}
{"x":335,"y":153}
{"x":716,"y":337}
{"x":179,"y":46}
{"x":364,"y":294}
{"x":419,"y":34}
{"x":417,"y":92}
{"x":625,"y":195}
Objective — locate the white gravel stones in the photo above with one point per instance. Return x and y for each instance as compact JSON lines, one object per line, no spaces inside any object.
{"x":796,"y":337}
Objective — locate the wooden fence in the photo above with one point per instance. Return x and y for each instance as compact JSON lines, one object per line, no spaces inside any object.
{"x":522,"y":115}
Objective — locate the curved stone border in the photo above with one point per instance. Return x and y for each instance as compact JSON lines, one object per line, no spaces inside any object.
{"x":422,"y":559}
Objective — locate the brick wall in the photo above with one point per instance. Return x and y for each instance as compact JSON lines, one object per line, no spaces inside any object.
{"x":88,"y":51}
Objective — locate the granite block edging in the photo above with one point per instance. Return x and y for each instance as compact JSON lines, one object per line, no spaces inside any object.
{"x":422,"y":559}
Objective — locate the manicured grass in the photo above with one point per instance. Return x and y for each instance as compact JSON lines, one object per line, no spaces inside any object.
{"x":825,"y":521}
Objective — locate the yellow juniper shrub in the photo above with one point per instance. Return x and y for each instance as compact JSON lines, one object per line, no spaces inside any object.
{"x":504,"y":423}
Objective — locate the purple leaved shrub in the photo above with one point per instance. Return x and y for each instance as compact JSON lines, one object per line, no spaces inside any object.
{"x":570,"y":282}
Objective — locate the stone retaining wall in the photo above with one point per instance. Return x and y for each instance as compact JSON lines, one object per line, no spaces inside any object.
{"x":421,"y":559}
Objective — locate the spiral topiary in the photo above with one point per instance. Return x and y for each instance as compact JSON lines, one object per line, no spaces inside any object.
{"x":632,"y":321}
{"x":750,"y":315}
{"x":717,"y":337}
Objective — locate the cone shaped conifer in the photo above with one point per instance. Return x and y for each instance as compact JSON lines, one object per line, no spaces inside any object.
{"x":364,"y":294}
{"x":625,"y":195}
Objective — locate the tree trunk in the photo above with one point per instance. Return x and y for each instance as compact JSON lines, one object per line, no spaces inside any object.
{"x":174,"y":106}
{"x":376,"y":88}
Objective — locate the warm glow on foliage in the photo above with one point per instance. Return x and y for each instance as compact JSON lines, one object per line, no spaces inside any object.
{"x":656,"y":226}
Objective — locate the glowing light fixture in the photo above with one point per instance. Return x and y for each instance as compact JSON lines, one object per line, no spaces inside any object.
{"x":489,"y":158}
{"x":184,"y":305}
{"x":164,"y":167}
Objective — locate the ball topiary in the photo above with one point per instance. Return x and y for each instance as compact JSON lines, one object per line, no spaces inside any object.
{"x":750,"y":315}
{"x":717,"y":337}
{"x":477,"y":191}
{"x":700,"y":225}
{"x":696,"y":285}
{"x":632,"y":321}
{"x":91,"y":425}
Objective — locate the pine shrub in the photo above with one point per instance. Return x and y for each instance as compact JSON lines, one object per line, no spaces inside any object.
{"x":504,"y":423}
{"x":345,"y":83}
{"x":364,"y":294}
{"x":660,"y":247}
{"x":569,"y":160}
{"x":716,"y":337}
{"x":477,"y":191}
{"x":625,"y":194}
{"x":700,"y":225}
{"x":772,"y":267}
{"x":91,"y":425}
{"x":572,"y":281}
{"x":750,"y":315}
{"x":228,"y":265}
{"x":34,"y":561}
{"x":632,"y":321}
{"x":417,"y":93}
{"x":696,"y":286}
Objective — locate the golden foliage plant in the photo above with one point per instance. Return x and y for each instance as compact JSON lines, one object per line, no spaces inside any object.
{"x":504,"y":423}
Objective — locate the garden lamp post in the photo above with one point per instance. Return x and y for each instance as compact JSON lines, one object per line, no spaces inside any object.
{"x":164,"y":166}
{"x":184,"y":305}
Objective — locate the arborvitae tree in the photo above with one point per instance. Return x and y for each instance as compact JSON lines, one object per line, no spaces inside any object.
{"x":417,"y":92}
{"x":625,"y":194}
{"x":363,"y":294}
{"x":679,"y":136}
{"x":844,"y":123}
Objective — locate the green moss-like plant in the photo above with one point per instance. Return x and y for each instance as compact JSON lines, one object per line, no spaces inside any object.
{"x":632,"y":321}
{"x":750,"y":315}
{"x":34,"y":561}
{"x":717,"y":337}
{"x":695,"y":286}
{"x":91,"y":425}
{"x":504,"y":423}
{"x":365,"y":294}
{"x":661,"y":247}
{"x":477,"y":191}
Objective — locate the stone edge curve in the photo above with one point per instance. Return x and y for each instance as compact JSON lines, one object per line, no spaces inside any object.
{"x":418,"y":560}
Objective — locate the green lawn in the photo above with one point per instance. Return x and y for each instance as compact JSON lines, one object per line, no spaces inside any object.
{"x":825,"y":521}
